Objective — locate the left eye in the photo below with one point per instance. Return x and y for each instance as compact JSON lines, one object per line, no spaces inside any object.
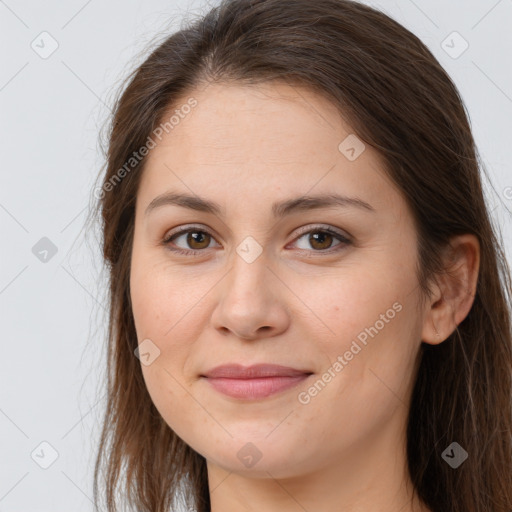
{"x":197,"y":239}
{"x":322,"y":239}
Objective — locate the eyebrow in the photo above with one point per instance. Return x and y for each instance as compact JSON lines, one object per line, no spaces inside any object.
{"x":279,"y":209}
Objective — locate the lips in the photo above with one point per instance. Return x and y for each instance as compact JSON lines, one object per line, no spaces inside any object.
{"x":254,"y":382}
{"x":237,"y":371}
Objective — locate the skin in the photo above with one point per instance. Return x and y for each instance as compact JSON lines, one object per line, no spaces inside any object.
{"x":246,"y":147}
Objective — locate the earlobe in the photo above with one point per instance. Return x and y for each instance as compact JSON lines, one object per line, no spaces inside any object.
{"x":438,"y":336}
{"x":456,"y":290}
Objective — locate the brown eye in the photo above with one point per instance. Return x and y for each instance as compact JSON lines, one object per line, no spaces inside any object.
{"x":196,"y":239}
{"x":320,"y":240}
{"x":191,"y":240}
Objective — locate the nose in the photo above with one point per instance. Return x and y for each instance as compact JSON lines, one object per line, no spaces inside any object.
{"x":250,"y":302}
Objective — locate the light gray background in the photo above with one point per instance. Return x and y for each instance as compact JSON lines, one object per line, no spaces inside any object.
{"x":52,"y":109}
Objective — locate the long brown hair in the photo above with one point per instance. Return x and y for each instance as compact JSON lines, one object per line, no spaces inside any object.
{"x":397,"y":98}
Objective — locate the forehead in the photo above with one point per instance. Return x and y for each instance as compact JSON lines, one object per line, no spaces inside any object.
{"x":265,"y":141}
{"x":254,"y":121}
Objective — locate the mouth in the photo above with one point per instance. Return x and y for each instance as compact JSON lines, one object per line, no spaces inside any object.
{"x":254,"y":382}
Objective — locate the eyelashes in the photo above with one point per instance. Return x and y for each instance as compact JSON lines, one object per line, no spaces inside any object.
{"x":198,"y":235}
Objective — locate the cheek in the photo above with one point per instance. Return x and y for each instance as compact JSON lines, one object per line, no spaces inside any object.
{"x":162,"y":297}
{"x":160,"y":315}
{"x":171,"y":397}
{"x":357,"y":300}
{"x":374,"y":332}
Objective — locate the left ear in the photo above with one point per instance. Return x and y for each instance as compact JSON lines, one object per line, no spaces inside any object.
{"x":454,"y":291}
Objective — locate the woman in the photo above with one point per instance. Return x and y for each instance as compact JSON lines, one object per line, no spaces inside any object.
{"x":309,"y":303}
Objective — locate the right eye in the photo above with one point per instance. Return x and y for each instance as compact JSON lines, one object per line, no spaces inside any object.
{"x":196,"y":239}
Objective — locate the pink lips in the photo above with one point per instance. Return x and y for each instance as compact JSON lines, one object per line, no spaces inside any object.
{"x":254,"y":382}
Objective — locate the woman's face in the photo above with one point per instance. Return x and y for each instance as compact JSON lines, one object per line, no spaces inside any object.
{"x":267,"y":284}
